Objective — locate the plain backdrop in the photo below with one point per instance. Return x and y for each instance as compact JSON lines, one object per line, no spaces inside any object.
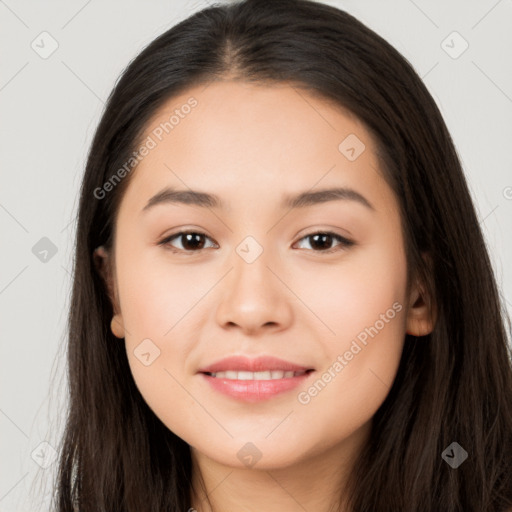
{"x":50,"y":105}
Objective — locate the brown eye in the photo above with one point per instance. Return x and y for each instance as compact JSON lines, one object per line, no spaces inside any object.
{"x":191,"y":241}
{"x":322,"y":241}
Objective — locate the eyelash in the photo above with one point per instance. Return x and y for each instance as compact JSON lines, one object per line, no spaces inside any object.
{"x":344,"y":242}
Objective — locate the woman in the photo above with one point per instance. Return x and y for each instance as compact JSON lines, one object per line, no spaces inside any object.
{"x":282,"y":297}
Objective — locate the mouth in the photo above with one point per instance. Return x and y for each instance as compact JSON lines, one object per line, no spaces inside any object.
{"x":262,"y":375}
{"x":254,"y":380}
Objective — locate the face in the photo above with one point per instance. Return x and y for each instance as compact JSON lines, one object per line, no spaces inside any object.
{"x":319,"y":285}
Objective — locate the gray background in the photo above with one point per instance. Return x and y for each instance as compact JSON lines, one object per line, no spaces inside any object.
{"x":51,"y":106}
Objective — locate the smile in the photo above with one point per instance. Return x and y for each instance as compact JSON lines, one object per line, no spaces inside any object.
{"x":264,"y":375}
{"x":253,"y":380}
{"x":251,"y":387}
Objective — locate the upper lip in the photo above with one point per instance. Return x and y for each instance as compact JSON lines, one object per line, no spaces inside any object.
{"x":258,"y":364}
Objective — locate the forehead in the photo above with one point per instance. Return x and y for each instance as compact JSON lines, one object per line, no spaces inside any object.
{"x":241,"y":141}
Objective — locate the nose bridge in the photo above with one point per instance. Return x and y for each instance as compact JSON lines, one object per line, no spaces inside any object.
{"x":250,"y":260}
{"x":257,"y":233}
{"x":250,"y":250}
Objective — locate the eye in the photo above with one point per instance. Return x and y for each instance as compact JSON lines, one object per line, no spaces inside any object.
{"x":193,"y":241}
{"x":323,"y":239}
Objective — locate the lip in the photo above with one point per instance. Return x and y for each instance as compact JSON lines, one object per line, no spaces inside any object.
{"x":254,"y":390}
{"x":258,"y":364}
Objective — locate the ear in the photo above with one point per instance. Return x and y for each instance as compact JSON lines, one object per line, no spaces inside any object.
{"x":421,"y":314}
{"x":103,"y":265}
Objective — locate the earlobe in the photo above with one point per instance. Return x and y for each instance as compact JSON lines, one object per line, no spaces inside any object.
{"x":117,"y":327}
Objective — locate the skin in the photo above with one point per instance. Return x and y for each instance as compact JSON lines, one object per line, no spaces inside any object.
{"x":250,"y":145}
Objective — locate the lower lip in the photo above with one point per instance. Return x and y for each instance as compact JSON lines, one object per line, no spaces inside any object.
{"x":255,"y":390}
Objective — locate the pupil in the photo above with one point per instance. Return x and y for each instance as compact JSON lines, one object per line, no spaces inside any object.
{"x":189,"y":241}
{"x":324,"y":237}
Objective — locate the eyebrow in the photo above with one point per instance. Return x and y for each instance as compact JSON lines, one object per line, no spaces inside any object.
{"x":171,"y":195}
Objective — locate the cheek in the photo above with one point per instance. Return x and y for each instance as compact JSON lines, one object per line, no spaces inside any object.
{"x":349,"y":390}
{"x":157,"y":303}
{"x":352,"y":294}
{"x":366,"y":308}
{"x":158,"y":294}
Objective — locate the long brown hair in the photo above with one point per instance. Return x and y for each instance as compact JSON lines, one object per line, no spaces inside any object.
{"x":454,"y":385}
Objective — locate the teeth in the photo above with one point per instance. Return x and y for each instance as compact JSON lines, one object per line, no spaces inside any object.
{"x":267,"y":375}
{"x":246,"y":376}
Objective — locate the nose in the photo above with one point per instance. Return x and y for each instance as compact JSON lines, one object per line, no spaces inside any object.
{"x":254,"y":296}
